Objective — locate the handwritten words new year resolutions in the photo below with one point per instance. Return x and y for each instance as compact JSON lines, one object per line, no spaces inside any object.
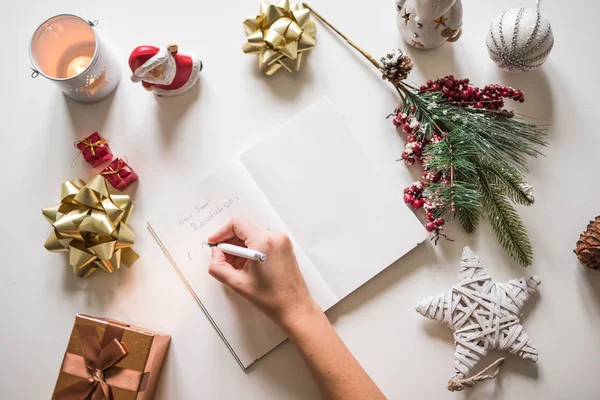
{"x":204,"y":213}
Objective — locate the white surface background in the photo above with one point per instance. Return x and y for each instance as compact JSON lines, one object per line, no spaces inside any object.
{"x":174,"y":142}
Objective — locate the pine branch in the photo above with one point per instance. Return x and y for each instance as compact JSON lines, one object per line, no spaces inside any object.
{"x":457,"y":150}
{"x":511,"y":183}
{"x":465,"y":195}
{"x":506,"y":222}
{"x":502,"y":140}
{"x":468,"y":218}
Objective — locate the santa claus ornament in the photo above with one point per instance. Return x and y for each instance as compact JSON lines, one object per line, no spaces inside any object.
{"x":427,"y":24}
{"x":165,"y":70}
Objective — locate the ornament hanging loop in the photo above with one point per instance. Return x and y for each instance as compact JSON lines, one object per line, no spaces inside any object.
{"x":459,"y":384}
{"x":93,"y":23}
{"x":537,"y":5}
{"x":34,"y":73}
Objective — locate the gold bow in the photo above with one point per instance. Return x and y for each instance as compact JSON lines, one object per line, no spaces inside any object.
{"x":88,"y":144}
{"x":280,"y":33}
{"x":96,"y":367}
{"x":120,"y":167}
{"x":92,"y":228}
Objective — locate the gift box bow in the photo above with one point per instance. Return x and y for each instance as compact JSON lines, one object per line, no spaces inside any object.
{"x":280,"y":33}
{"x":91,"y":225}
{"x":91,"y":143}
{"x":96,"y":367}
{"x":118,"y":168}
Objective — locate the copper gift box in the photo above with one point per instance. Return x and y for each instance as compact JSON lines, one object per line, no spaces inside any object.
{"x":110,"y":360}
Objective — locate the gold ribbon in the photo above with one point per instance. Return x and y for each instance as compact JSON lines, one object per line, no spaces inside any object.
{"x":96,"y":367}
{"x":91,"y":225}
{"x":279,"y":34}
{"x":89,"y":144}
{"x":121,"y":164}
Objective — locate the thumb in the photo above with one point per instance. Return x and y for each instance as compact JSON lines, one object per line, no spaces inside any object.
{"x":221,"y":270}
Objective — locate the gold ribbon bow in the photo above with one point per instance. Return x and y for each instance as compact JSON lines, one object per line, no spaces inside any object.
{"x":280,"y":34}
{"x":88,"y":144}
{"x":92,"y":228}
{"x":120,"y":167}
{"x":96,"y":367}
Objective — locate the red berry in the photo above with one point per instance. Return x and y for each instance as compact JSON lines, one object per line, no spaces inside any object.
{"x":518,"y":93}
{"x":423,"y":88}
{"x":417,"y":149}
{"x":429,"y":83}
{"x":430,"y":216}
{"x":436,"y":86}
{"x":430,"y":227}
{"x":408,"y":198}
{"x":450,"y":99}
{"x":439,"y":221}
{"x":411,"y":137}
{"x":451,"y":77}
{"x":406,"y":128}
{"x":479,"y":105}
{"x":418,"y":203}
{"x":449,"y":84}
{"x":407,"y":190}
{"x":505,"y":94}
{"x":396,"y":122}
{"x":521,"y":100}
{"x":410,"y":161}
{"x":464,"y":96}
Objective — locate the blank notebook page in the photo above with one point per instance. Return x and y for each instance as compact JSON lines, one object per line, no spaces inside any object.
{"x":348,"y":218}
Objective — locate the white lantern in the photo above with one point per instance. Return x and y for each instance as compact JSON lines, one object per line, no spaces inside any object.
{"x":67,"y":50}
{"x":427,"y":24}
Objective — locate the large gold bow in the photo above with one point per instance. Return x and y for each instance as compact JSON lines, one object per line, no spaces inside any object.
{"x":92,"y":228}
{"x":280,"y":33}
{"x":96,"y":367}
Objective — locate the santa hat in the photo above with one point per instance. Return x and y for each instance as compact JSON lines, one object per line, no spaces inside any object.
{"x":145,"y":58}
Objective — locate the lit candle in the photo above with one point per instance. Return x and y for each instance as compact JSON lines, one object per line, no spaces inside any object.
{"x":67,"y":50}
{"x":78,"y":65}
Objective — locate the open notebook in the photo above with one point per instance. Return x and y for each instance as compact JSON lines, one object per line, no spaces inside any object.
{"x":311,"y":179}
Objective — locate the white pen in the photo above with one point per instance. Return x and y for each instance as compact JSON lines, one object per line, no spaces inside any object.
{"x":239,"y":251}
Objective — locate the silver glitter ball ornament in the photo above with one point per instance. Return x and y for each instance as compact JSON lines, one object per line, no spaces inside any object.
{"x":520,"y":40}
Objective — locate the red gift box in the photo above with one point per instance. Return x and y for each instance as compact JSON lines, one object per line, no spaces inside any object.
{"x":95,"y":149}
{"x":119,"y":174}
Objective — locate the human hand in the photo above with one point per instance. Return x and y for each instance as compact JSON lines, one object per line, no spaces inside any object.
{"x":276,"y":287}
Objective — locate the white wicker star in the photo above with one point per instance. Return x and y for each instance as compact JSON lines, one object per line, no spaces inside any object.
{"x":484,"y":316}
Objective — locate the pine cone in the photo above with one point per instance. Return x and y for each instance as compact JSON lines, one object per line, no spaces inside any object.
{"x":588,"y":245}
{"x":395,"y":66}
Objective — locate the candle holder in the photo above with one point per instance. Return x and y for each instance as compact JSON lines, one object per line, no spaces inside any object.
{"x":67,"y":50}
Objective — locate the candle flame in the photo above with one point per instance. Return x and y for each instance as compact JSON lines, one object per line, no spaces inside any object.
{"x":78,"y":65}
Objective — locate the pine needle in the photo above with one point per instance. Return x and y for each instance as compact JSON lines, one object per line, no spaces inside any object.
{"x":506,"y":222}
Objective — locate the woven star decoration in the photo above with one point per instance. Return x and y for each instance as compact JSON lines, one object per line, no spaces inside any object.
{"x":484,"y":316}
